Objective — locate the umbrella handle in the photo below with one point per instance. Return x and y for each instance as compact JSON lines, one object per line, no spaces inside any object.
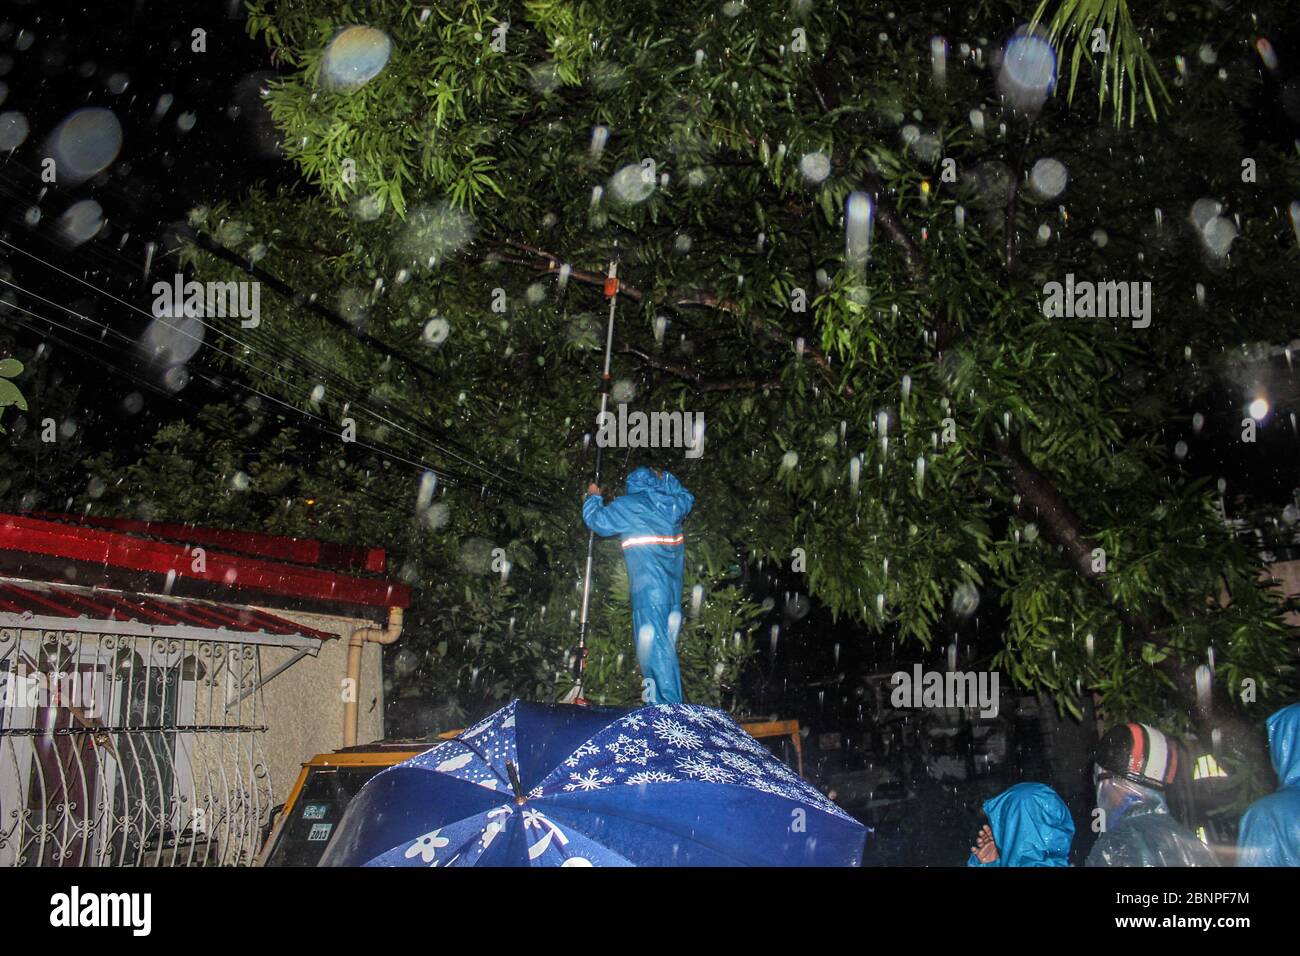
{"x":515,"y":784}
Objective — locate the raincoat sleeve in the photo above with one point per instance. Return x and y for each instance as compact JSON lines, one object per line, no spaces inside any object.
{"x":1153,"y":840}
{"x":604,"y":519}
{"x":1112,"y":851}
{"x":1259,"y":840}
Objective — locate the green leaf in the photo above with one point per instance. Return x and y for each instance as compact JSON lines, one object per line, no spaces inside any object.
{"x":10,"y":395}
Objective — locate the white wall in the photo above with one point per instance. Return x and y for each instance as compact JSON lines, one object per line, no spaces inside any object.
{"x":304,"y":706}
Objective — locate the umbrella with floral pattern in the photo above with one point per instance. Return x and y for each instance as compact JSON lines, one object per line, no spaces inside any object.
{"x":561,"y":785}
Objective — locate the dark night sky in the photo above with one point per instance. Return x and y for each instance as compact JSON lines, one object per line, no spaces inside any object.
{"x":193,"y":131}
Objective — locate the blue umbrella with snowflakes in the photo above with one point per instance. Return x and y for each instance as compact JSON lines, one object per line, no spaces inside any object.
{"x":561,"y":785}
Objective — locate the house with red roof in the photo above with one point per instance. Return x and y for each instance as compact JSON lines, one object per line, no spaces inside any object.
{"x":161,"y":684}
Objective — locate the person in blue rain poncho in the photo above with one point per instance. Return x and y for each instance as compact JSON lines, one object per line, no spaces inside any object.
{"x":1270,"y":829}
{"x":1029,"y":825}
{"x":648,"y":520}
{"x":1134,"y":766}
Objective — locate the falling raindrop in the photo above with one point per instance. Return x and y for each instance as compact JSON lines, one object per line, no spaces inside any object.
{"x":939,"y":60}
{"x":631,"y":184}
{"x":1028,"y":73}
{"x":965,"y":599}
{"x":13,"y":130}
{"x":436,"y":331}
{"x":1048,"y":178}
{"x":81,"y":222}
{"x":85,"y":144}
{"x":815,"y":167}
{"x":857,"y":228}
{"x":355,"y":57}
{"x":1204,"y":685}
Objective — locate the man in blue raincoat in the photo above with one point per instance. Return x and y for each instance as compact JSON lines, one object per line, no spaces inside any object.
{"x":648,"y":520}
{"x":1029,"y":825}
{"x":1270,"y":830}
{"x":1135,"y":764}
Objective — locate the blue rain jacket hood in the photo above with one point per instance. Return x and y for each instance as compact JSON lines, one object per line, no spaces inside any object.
{"x":1031,"y":827}
{"x":652,"y":506}
{"x":1270,"y":829}
{"x":1284,"y":746}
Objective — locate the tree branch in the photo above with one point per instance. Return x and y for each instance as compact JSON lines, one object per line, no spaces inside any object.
{"x":1061,"y":525}
{"x":677,"y":300}
{"x":686,"y":373}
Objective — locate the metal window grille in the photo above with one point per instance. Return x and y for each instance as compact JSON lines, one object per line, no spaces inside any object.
{"x":120,"y":750}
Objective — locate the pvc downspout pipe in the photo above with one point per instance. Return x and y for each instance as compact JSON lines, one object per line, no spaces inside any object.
{"x":356,"y":643}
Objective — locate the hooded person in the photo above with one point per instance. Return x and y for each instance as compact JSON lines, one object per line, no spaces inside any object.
{"x":648,"y":520}
{"x":1135,"y":764}
{"x":1029,"y":825}
{"x":1270,"y":829}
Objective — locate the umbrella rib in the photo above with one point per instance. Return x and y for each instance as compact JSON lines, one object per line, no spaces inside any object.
{"x":487,"y":762}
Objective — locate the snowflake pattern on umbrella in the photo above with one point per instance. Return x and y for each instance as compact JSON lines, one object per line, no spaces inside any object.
{"x":631,"y":750}
{"x":672,"y":743}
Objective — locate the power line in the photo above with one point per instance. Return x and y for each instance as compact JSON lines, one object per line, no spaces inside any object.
{"x":335,"y":320}
{"x":447,"y":473}
{"x":165,"y":393}
{"x":191,"y":335}
{"x":449,"y":478}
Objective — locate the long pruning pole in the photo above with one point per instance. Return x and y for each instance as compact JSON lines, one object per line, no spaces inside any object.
{"x":611,"y":292}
